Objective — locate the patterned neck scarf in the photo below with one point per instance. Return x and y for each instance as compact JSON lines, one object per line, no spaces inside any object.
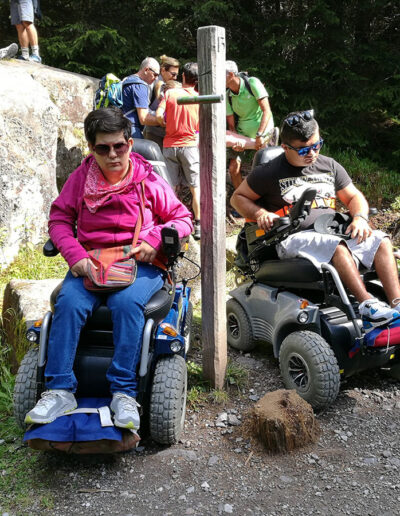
{"x":97,"y":189}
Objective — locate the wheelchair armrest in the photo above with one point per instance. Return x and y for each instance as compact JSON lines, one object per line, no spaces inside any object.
{"x":49,"y":249}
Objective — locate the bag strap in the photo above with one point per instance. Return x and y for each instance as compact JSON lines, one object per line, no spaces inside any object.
{"x":141,"y":215}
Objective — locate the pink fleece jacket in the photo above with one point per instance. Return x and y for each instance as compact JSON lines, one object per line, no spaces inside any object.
{"x":114,"y":222}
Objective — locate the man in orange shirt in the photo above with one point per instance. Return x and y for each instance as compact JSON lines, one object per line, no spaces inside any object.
{"x":180,"y":147}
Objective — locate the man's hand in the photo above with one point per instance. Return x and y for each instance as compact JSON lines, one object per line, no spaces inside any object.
{"x":265,"y":219}
{"x":144,"y":252}
{"x":259,"y":142}
{"x":80,"y":268}
{"x":360,"y":229}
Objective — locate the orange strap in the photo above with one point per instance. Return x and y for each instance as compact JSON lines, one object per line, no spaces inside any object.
{"x":327,"y":203}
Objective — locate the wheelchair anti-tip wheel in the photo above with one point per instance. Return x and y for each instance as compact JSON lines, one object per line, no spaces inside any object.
{"x":168,"y":400}
{"x":309,"y":366}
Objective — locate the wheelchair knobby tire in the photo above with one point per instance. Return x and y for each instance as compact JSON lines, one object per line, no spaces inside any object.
{"x":25,"y":389}
{"x":239,"y":331}
{"x":168,"y":400}
{"x":308,"y":365}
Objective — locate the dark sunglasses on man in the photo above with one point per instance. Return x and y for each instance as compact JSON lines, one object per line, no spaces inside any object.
{"x":295,"y":119}
{"x":303,"y":151}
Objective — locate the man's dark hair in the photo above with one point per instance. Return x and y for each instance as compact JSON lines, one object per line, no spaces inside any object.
{"x":191,"y":71}
{"x":302,"y":130}
{"x":106,"y":120}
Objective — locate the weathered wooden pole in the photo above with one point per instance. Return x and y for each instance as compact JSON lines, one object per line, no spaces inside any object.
{"x":211,"y":62}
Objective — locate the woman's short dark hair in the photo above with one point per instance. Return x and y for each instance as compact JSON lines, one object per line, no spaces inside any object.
{"x":302,"y":129}
{"x":191,"y":71}
{"x":106,"y":120}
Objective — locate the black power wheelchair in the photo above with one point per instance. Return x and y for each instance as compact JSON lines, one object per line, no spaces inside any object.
{"x":307,"y":315}
{"x":162,"y":370}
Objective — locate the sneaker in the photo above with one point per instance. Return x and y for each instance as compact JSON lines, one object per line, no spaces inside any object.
{"x":35,"y":58}
{"x":9,"y":52}
{"x":375,"y":313}
{"x":22,"y":58}
{"x":52,"y":404}
{"x":125,"y":410}
{"x":197,"y":231}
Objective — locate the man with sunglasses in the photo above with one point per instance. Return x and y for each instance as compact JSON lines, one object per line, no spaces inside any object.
{"x":135,"y":96}
{"x":271,"y":188}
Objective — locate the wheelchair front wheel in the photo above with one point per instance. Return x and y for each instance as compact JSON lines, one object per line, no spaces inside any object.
{"x":168,"y":400}
{"x":25,"y":389}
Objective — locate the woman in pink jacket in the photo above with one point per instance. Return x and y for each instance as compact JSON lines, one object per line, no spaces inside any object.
{"x":102,"y":199}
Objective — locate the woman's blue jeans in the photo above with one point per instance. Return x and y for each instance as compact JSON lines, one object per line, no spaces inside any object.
{"x":73,"y":307}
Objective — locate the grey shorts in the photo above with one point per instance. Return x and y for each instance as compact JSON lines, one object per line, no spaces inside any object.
{"x":183,"y":165}
{"x":21,"y":10}
{"x":319,"y":248}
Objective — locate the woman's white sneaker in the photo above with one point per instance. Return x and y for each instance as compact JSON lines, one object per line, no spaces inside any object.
{"x":52,"y":404}
{"x":125,"y":410}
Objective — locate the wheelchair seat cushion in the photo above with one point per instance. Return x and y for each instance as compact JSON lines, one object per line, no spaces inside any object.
{"x":292,"y":272}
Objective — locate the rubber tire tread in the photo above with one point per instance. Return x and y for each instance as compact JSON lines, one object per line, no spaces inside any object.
{"x":245,"y":341}
{"x":322,"y":364}
{"x":25,"y":388}
{"x":166,"y":412}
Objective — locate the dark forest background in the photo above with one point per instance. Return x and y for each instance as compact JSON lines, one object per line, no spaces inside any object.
{"x":340,"y":58}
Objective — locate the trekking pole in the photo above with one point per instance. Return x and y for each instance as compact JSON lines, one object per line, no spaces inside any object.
{"x":201,"y":99}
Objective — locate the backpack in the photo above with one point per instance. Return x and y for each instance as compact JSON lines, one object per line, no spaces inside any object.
{"x":245,"y":77}
{"x":109,"y":92}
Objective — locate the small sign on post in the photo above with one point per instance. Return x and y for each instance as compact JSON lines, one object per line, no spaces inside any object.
{"x":211,"y":62}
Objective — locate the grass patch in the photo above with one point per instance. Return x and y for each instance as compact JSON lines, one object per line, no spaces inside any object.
{"x":380,"y":185}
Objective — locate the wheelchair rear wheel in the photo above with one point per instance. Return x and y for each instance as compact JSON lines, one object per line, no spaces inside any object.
{"x":239,"y":331}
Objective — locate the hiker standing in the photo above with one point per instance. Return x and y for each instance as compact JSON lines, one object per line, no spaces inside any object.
{"x":22,"y":16}
{"x":248,"y":99}
{"x":135,"y":96}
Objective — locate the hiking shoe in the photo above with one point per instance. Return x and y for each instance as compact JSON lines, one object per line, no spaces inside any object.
{"x":52,"y":404}
{"x":125,"y":410}
{"x":9,"y":52}
{"x":35,"y":58}
{"x":375,"y":313}
{"x":197,"y":231}
{"x":22,"y":58}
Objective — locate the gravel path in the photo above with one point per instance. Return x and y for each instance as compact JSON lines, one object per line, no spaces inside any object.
{"x":353,"y":468}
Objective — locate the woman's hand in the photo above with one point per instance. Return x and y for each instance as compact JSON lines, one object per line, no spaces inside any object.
{"x":80,"y":268}
{"x":144,"y":252}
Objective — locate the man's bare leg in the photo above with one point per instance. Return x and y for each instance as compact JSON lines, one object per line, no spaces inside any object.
{"x":234,"y":171}
{"x":195,"y":191}
{"x":31,"y":33}
{"x":386,"y":268}
{"x":344,"y":263}
{"x":22,"y":36}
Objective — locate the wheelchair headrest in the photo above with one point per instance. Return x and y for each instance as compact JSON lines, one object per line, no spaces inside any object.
{"x":266,"y":155}
{"x":148,"y":149}
{"x":152,"y":152}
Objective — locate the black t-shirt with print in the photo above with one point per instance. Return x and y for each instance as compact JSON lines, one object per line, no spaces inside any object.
{"x":279,"y":184}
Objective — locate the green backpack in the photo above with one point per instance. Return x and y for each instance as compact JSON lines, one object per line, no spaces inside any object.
{"x":109,"y":92}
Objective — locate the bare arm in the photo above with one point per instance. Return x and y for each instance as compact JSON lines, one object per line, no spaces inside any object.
{"x":358,"y":207}
{"x":146,"y":118}
{"x":266,"y":116}
{"x":243,"y":200}
{"x":230,"y":119}
{"x":160,"y":115}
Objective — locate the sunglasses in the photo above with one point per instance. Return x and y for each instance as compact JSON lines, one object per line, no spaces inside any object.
{"x":295,"y":119}
{"x":104,"y":150}
{"x":153,"y":72}
{"x":303,"y":151}
{"x":174,"y":74}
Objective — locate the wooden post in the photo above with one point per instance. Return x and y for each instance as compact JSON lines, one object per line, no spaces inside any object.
{"x":211,"y":62}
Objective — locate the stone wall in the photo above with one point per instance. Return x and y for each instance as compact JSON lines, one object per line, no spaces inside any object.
{"x":41,"y":142}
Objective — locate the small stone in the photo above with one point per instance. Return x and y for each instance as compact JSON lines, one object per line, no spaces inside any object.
{"x":233,"y":420}
{"x":238,"y":450}
{"x":254,"y":397}
{"x":228,"y":508}
{"x":189,"y":510}
{"x":386,"y":454}
{"x":213,"y":460}
{"x":190,"y":490}
{"x":205,"y":486}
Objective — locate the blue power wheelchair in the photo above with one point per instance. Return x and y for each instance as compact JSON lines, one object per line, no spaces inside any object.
{"x":308,"y":316}
{"x":162,"y":371}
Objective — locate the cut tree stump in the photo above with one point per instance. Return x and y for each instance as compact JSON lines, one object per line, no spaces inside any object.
{"x":283,"y":421}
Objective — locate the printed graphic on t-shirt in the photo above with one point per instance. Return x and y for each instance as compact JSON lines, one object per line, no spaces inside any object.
{"x":291,"y":188}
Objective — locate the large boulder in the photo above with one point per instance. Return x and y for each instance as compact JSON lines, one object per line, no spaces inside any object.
{"x":41,"y":130}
